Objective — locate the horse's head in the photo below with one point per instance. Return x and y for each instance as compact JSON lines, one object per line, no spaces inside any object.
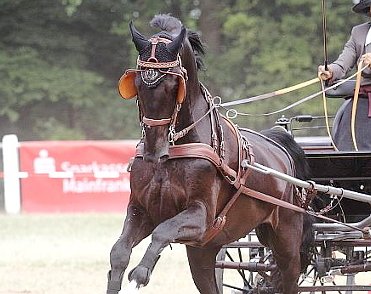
{"x":159,"y":82}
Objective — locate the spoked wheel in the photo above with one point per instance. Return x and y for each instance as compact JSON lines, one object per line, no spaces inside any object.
{"x":324,"y":274}
{"x":243,"y":267}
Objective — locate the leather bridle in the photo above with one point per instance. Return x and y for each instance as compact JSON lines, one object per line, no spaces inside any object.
{"x":151,"y":72}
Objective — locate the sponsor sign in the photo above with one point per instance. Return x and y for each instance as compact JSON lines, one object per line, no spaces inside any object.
{"x":75,"y":176}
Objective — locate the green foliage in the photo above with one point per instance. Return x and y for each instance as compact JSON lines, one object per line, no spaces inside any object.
{"x":60,"y":60}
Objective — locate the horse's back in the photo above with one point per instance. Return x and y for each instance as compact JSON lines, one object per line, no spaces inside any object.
{"x":268,"y":150}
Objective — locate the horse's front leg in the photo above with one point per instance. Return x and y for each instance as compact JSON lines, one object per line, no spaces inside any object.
{"x":136,"y":227}
{"x":189,"y":225}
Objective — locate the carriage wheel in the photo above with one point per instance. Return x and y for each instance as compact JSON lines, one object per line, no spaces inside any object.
{"x":231,"y":273}
{"x":317,"y":277}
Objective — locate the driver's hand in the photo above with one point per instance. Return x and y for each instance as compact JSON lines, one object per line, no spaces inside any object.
{"x":326,"y":74}
{"x":366,"y":58}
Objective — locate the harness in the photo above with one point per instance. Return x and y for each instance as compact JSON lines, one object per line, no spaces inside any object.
{"x":151,"y":72}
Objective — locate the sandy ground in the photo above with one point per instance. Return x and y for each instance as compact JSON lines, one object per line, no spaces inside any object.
{"x":70,"y":254}
{"x":55,"y":254}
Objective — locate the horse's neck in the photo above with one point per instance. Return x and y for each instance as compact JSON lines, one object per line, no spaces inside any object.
{"x":194,"y":108}
{"x":195,"y":105}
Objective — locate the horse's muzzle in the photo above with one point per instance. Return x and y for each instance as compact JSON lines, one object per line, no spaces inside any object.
{"x":156,"y":144}
{"x":156,"y":154}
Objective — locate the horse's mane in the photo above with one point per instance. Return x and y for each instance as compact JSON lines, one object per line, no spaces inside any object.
{"x":171,"y":26}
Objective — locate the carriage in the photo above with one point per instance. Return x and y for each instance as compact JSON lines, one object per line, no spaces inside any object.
{"x":199,"y":180}
{"x":341,"y":253}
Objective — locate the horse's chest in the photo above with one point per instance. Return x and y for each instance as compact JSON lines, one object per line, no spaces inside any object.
{"x":159,"y":187}
{"x":168,"y":188}
{"x":159,"y":183}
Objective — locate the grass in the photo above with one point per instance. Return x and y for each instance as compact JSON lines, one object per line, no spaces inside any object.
{"x":69,"y":253}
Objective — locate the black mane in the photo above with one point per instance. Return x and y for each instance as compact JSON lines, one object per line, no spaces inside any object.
{"x":171,"y":27}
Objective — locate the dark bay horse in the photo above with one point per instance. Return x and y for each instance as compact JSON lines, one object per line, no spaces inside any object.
{"x":187,"y":172}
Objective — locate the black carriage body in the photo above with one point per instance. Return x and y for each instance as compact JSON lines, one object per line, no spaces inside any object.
{"x":350,"y":170}
{"x":347,"y":170}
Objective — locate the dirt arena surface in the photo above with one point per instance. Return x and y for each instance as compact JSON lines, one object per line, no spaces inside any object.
{"x":60,"y":254}
{"x":69,"y":253}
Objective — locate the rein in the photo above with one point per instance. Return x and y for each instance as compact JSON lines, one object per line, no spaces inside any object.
{"x":271,"y":94}
{"x":174,"y":136}
{"x":354,"y":106}
{"x":232,"y":113}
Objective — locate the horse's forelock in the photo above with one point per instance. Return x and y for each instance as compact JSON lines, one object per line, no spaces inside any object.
{"x":168,"y":23}
{"x":171,"y":26}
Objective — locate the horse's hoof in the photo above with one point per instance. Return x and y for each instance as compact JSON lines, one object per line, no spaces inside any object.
{"x":140,"y":275}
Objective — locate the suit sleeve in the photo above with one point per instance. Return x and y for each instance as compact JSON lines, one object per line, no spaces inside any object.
{"x":346,"y":60}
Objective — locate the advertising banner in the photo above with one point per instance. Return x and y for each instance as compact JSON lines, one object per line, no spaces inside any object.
{"x":75,"y":176}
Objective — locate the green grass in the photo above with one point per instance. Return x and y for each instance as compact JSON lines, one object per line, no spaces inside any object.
{"x":69,"y":253}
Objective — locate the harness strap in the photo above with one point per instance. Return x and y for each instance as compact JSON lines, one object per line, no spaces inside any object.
{"x":270,"y":199}
{"x":195,"y":150}
{"x":219,"y":222}
{"x":156,"y":122}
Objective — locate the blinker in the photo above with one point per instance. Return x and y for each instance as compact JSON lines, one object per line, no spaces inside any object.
{"x":128,"y":90}
{"x":126,"y":86}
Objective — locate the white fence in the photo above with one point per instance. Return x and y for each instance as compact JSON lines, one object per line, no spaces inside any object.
{"x":11,"y":175}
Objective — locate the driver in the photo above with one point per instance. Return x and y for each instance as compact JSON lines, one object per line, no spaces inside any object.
{"x":356,"y":49}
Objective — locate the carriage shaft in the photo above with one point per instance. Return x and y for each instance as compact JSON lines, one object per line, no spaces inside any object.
{"x":308,"y":185}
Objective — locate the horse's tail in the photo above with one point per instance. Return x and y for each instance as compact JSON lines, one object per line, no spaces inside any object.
{"x":283,"y":138}
{"x":286,"y":140}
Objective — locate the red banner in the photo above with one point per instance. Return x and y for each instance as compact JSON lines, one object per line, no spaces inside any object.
{"x":75,"y":176}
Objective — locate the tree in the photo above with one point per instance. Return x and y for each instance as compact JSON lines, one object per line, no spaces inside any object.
{"x":58,"y":71}
{"x":60,"y":60}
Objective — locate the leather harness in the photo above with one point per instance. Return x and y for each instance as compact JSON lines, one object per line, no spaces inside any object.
{"x":214,"y":153}
{"x":235,"y":178}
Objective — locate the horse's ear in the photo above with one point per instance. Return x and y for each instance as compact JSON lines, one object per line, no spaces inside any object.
{"x":175,"y":45}
{"x":139,"y":40}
